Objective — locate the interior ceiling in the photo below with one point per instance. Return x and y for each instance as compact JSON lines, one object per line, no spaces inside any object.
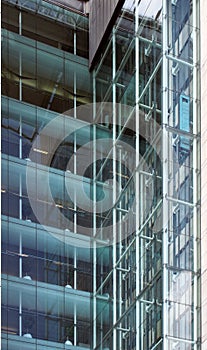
{"x":52,"y":71}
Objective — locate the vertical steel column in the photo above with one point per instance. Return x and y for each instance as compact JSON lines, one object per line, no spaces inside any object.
{"x":20,"y":117}
{"x":94,"y":212}
{"x":75,"y":287}
{"x":74,"y":40}
{"x":119,"y":235}
{"x":20,"y":293}
{"x":114,"y":189}
{"x":138,"y":333}
{"x":75,"y":206}
{"x":165,"y":174}
{"x":20,"y":178}
{"x":196,"y":115}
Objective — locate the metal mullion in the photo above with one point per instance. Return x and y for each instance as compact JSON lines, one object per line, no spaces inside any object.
{"x":148,"y":41}
{"x":165,"y":310}
{"x":94,"y":214}
{"x":178,"y":60}
{"x":124,"y":11}
{"x":134,"y":109}
{"x":114,"y":191}
{"x":75,"y":204}
{"x":187,"y":134}
{"x":117,"y":75}
{"x":149,"y":218}
{"x":137,"y":177}
{"x":120,"y":245}
{"x":151,"y":77}
{"x":132,"y":242}
{"x":117,"y":323}
{"x":195,"y":174}
{"x":20,"y":177}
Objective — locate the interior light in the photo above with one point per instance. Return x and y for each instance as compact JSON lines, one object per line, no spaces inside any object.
{"x":27,"y":335}
{"x":27,"y":277}
{"x":57,"y":262}
{"x":40,"y":151}
{"x":23,"y":255}
{"x":59,"y":205}
{"x":68,"y":342}
{"x":121,"y":175}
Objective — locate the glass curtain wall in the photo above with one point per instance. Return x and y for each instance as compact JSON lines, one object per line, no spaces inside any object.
{"x":137,"y":285}
{"x":181,"y":116}
{"x":149,"y":272}
{"x":46,"y":282}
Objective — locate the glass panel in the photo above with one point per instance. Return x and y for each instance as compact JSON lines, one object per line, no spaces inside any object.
{"x":47,"y":76}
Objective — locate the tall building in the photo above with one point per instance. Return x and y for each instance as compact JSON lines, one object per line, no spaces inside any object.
{"x":101,"y":214}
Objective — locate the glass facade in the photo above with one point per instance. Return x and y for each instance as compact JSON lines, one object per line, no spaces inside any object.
{"x":150,"y":63}
{"x":100,"y":178}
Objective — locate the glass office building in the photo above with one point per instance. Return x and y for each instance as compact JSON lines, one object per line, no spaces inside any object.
{"x":100,"y":175}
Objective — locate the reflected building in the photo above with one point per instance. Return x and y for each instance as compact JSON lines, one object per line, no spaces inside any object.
{"x":101,"y":175}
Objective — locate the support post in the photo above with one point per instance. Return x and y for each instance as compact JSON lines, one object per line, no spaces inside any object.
{"x":94,"y":215}
{"x":165,"y":175}
{"x":114,"y":190}
{"x":196,"y":115}
{"x":137,"y":189}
